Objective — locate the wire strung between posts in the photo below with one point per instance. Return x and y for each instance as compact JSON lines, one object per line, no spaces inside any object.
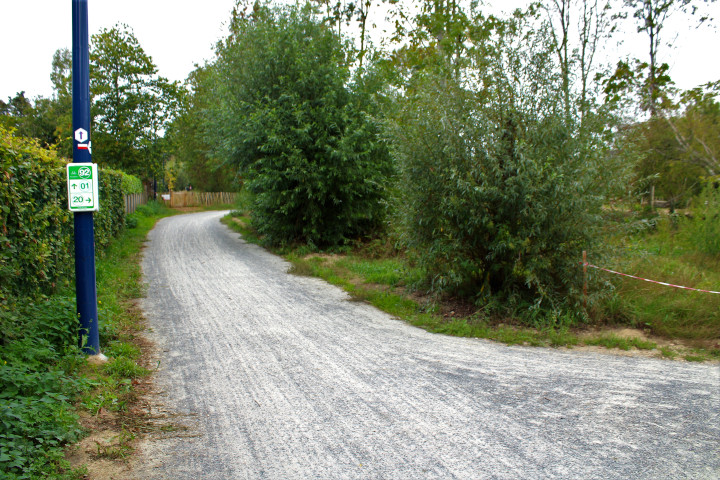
{"x":648,"y":280}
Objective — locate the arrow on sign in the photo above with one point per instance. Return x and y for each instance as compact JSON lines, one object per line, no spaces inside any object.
{"x":81,"y":135}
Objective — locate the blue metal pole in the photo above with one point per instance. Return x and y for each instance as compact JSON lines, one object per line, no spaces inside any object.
{"x":85,"y":286}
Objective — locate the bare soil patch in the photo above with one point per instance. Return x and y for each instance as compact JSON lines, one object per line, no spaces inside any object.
{"x":105,"y":452}
{"x":118,"y":440}
{"x":330,"y":258}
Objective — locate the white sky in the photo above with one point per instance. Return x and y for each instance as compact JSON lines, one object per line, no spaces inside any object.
{"x":177,"y":34}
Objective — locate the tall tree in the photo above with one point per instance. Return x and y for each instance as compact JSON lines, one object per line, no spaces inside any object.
{"x":30,"y":118}
{"x":345,"y":12}
{"x":651,"y":17}
{"x":132,"y":105}
{"x":560,"y":18}
{"x":61,"y":77}
{"x":285,"y":116}
{"x":189,"y":142}
{"x":14,"y":112}
{"x":578,"y":29}
{"x":499,"y":192}
{"x":697,"y":130}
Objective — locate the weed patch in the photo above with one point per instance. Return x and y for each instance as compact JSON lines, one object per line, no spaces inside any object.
{"x":45,"y":381}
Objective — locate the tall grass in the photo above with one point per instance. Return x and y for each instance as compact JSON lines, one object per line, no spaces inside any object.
{"x":670,"y":252}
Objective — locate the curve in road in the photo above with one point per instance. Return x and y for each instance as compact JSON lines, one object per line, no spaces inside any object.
{"x":287,"y":378}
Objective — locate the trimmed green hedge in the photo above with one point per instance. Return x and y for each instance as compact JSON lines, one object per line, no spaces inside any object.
{"x":110,"y":220}
{"x":131,"y":184}
{"x":36,"y":254}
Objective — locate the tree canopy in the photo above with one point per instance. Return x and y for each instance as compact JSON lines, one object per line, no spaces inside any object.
{"x":285,"y":113}
{"x":132,"y":104}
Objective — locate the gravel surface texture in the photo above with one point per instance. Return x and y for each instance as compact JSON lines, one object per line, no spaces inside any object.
{"x":283,"y":377}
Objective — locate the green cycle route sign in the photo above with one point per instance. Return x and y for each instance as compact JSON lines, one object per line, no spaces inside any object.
{"x":83,"y":194}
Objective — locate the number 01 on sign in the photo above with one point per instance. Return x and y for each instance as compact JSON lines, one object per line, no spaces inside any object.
{"x":82,"y":181}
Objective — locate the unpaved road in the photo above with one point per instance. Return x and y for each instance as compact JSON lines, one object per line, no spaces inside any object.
{"x":284,"y":378}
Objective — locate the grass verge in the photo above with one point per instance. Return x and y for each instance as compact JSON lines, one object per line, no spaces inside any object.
{"x":47,"y":388}
{"x":385,"y":281}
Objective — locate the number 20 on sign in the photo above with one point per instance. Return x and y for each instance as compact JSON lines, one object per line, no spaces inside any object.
{"x":82,"y":181}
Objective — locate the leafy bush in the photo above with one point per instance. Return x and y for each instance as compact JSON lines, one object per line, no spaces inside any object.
{"x":36,"y":395}
{"x":35,"y":224}
{"x":131,"y":184}
{"x":36,"y":420}
{"x":110,"y":220}
{"x":38,"y":334}
{"x":131,"y":221}
{"x":500,"y":189}
{"x":283,"y":114}
{"x":151,"y":208}
{"x":48,"y":319}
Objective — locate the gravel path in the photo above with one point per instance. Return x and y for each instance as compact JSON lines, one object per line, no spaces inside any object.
{"x":285,"y":378}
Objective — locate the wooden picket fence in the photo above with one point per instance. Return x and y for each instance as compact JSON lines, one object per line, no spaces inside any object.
{"x":199,"y":199}
{"x":133,"y":200}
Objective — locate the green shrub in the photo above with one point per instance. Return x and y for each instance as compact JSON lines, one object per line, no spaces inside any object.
{"x":131,"y":184}
{"x":495,"y":200}
{"x":49,"y":319}
{"x":36,"y":420}
{"x":151,"y":208}
{"x":131,"y":221}
{"x":305,"y":147}
{"x":110,"y":220}
{"x":124,"y":367}
{"x":36,"y":227}
{"x":36,"y":395}
{"x":500,"y":189}
{"x":35,"y":224}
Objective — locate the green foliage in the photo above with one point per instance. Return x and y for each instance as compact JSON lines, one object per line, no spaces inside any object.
{"x":668,"y":352}
{"x":41,"y":368}
{"x":51,"y":320}
{"x":110,"y":220}
{"x":674,"y":153}
{"x":131,"y":103}
{"x":284,"y":115}
{"x":661,"y":162}
{"x":388,"y":271}
{"x":48,"y":120}
{"x":131,"y":184}
{"x":500,"y":191}
{"x":153,"y":207}
{"x":651,"y":17}
{"x":670,"y":252}
{"x":124,"y":367}
{"x":36,"y":393}
{"x":33,"y":119}
{"x":622,"y":343}
{"x":189,"y":141}
{"x":61,"y":103}
{"x":35,"y":225}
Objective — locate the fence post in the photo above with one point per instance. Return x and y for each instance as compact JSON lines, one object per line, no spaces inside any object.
{"x":585,"y":286}
{"x":652,"y":198}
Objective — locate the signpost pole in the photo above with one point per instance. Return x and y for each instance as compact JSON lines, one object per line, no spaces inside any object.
{"x":85,"y":286}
